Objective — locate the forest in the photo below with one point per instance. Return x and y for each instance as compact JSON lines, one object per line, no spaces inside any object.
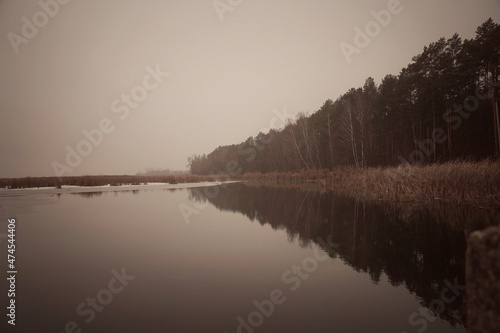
{"x":441,"y":107}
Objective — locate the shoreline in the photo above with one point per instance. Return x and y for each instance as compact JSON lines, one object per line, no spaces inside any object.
{"x":101,"y":181}
{"x":71,"y":189}
{"x":475,"y":184}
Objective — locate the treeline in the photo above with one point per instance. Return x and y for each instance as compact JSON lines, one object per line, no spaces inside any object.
{"x":443,"y":106}
{"x":161,"y":172}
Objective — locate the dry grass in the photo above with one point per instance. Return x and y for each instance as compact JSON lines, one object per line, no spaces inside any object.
{"x":462,"y":183}
{"x":289,"y":177}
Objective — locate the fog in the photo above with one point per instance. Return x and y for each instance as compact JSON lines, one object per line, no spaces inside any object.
{"x":145,"y":83}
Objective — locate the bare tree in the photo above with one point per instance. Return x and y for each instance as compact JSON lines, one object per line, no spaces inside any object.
{"x":346,"y":133}
{"x":330,"y":141}
{"x":302,"y":124}
{"x":293,"y":140}
{"x":361,"y":112}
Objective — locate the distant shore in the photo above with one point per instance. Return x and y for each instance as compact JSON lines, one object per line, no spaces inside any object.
{"x":99,"y":180}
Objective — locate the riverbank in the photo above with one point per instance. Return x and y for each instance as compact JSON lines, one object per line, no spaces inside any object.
{"x":34,"y":182}
{"x":474,"y":184}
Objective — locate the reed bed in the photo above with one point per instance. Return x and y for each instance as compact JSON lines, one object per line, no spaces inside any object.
{"x":461,"y":183}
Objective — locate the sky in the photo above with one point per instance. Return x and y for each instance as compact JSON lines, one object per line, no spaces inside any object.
{"x":120,"y":86}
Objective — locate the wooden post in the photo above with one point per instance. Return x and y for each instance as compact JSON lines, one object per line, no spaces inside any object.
{"x":498,"y":128}
{"x":483,"y":281}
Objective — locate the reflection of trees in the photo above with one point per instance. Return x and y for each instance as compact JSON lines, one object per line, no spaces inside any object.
{"x":419,"y":254}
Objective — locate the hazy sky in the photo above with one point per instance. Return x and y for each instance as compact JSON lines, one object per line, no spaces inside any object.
{"x":225,"y":75}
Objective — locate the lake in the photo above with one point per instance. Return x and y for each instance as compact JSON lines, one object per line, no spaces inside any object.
{"x":231,"y":258}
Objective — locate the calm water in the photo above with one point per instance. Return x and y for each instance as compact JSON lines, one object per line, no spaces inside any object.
{"x":207,"y":259}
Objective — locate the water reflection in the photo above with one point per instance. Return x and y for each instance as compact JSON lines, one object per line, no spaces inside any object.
{"x":89,"y":194}
{"x":216,"y":267}
{"x":414,"y":247}
{"x":93,"y":194}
